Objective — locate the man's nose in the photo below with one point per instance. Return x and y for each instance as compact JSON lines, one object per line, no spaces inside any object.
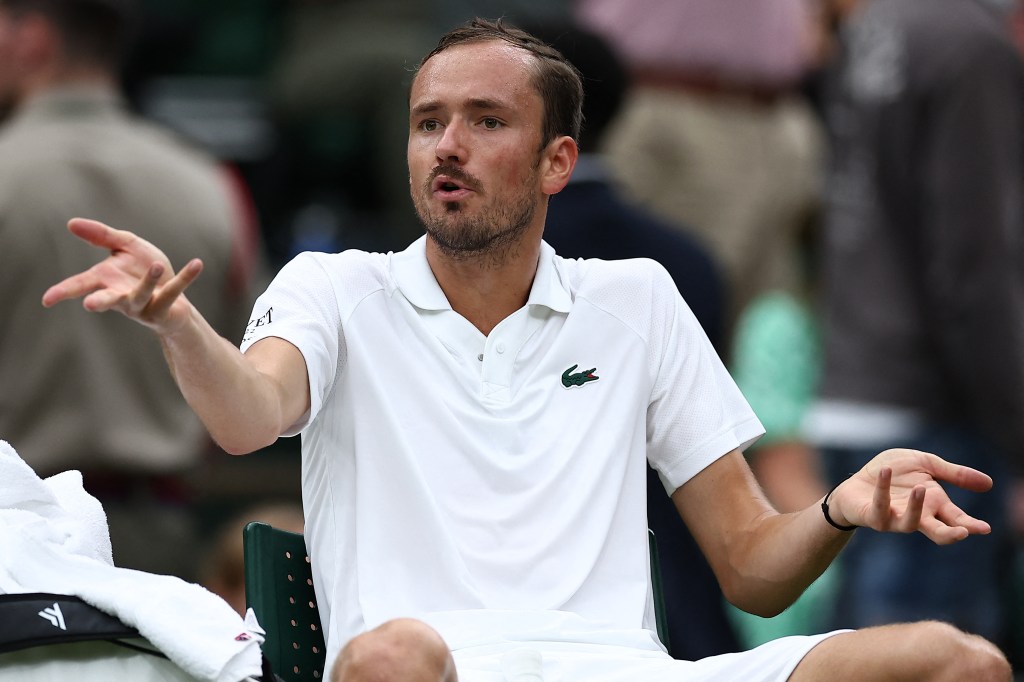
{"x":452,"y":144}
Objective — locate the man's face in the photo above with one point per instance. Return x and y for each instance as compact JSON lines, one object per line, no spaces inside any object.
{"x":475,"y":147}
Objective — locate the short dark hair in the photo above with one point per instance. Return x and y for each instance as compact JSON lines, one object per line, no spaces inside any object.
{"x":96,"y":32}
{"x":605,"y":78}
{"x":556,"y":79}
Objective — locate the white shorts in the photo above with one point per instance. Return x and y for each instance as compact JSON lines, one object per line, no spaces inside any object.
{"x":571,"y":662}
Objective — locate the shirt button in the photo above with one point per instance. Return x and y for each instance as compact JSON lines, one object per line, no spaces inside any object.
{"x":500,"y":347}
{"x":480,"y":357}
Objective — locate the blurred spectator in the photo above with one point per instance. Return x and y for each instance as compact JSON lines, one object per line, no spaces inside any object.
{"x":91,"y":392}
{"x":340,"y":90}
{"x":716,"y":135}
{"x":199,"y":68}
{"x":776,"y":361}
{"x":222,"y":569}
{"x":924,"y":287}
{"x":588,"y":219}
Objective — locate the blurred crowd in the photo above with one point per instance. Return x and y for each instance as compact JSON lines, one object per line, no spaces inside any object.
{"x":836,"y":186}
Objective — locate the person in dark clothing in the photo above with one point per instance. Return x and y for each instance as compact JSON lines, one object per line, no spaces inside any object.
{"x":924,"y":284}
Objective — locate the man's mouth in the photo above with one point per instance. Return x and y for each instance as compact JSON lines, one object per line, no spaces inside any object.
{"x":451,"y":185}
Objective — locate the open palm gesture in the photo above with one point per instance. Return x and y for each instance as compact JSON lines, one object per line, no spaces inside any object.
{"x":136,"y":279}
{"x":899,"y":491}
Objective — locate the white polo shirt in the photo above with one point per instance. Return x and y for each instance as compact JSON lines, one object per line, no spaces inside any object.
{"x":494,"y":486}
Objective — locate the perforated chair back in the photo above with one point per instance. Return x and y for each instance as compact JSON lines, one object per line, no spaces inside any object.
{"x":279,"y":589}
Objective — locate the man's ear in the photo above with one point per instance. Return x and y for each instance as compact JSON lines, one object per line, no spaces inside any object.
{"x":558,"y":160}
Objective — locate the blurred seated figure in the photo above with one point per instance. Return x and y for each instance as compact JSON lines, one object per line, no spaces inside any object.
{"x":87,"y":392}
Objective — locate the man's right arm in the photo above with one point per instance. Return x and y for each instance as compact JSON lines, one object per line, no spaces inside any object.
{"x":245,"y":401}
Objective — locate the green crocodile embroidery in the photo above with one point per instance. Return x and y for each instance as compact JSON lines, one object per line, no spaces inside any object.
{"x":569,"y":379}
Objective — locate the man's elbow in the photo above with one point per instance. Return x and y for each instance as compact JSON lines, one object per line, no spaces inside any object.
{"x":766,"y":601}
{"x":245,"y":443}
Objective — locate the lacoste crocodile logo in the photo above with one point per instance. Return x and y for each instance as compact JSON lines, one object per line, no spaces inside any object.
{"x":579,"y":378}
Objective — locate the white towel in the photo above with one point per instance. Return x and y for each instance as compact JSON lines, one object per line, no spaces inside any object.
{"x":53,"y":538}
{"x":63,"y":511}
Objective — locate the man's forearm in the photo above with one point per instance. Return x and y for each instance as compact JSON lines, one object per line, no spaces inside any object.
{"x":781,"y":556}
{"x":763,"y":559}
{"x":237,"y":403}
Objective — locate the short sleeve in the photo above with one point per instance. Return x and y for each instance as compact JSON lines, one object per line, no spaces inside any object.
{"x":300,"y":306}
{"x":697,"y":413}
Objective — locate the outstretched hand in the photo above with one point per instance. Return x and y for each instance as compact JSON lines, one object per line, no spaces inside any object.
{"x":136,"y":279}
{"x":898,"y":491}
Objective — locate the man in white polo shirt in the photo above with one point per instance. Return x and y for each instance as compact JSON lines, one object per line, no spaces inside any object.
{"x":476,"y":412}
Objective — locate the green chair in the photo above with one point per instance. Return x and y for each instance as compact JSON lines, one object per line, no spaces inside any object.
{"x":660,"y":612}
{"x":279,"y":588}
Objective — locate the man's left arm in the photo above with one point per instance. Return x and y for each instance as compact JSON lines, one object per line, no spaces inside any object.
{"x":764,"y":560}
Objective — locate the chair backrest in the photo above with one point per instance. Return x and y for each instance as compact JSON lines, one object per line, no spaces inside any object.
{"x":279,"y":589}
{"x":660,"y":612}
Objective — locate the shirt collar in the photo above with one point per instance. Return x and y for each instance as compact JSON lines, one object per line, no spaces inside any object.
{"x":413,"y":277}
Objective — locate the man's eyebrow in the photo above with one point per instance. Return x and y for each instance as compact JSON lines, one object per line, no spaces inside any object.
{"x":487,"y":104}
{"x":425,"y":108}
{"x":476,"y":103}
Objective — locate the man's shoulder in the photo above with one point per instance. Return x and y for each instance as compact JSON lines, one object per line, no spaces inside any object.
{"x":351,"y":274}
{"x":602,"y":271}
{"x":340,"y":262}
{"x":630,"y":284}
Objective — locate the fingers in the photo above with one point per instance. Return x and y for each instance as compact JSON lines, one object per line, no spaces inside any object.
{"x":72,"y":287}
{"x":140,"y":296}
{"x":169,"y":293}
{"x":93,"y":279}
{"x":925,"y":508}
{"x":952,"y":515}
{"x":959,"y":475}
{"x":149,"y":301}
{"x":910,"y":520}
{"x":882,"y":497}
{"x":885,"y":516}
{"x":132,"y":303}
{"x":946,"y":524}
{"x":135,"y":279}
{"x":100,"y":234}
{"x":941,"y":534}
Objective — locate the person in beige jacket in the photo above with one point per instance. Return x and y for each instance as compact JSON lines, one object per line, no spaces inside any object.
{"x":81,"y":391}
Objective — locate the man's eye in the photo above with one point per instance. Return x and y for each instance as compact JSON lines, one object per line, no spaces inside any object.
{"x":428,"y":126}
{"x":491,"y":123}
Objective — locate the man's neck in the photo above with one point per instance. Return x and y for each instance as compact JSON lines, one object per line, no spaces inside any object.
{"x":486,"y":289}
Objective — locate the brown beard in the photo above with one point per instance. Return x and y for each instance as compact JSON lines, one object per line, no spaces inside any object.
{"x":491,"y":235}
